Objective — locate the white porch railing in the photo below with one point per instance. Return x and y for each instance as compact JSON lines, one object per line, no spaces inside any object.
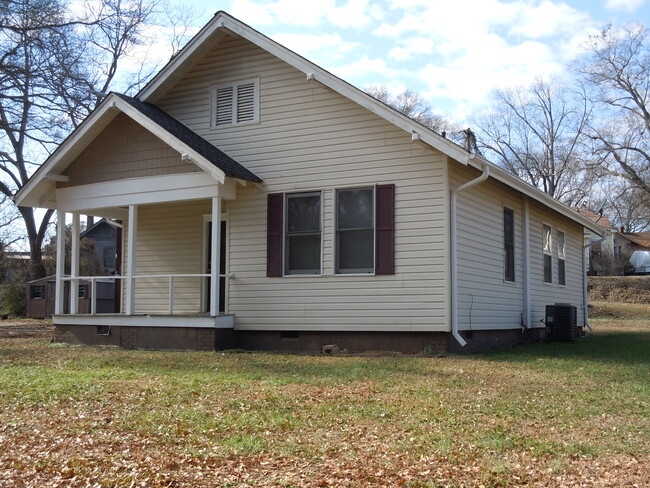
{"x":74,"y":282}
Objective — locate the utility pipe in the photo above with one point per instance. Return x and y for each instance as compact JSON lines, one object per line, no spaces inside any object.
{"x":454,"y":251}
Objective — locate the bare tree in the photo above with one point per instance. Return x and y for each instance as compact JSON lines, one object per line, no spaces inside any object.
{"x":536,"y":133}
{"x":627,"y":206}
{"x":417,"y":108}
{"x":618,"y":70}
{"x":54,"y":70}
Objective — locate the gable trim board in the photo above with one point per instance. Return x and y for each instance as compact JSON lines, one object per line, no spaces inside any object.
{"x":360,"y":143}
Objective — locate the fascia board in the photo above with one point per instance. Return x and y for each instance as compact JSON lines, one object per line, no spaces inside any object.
{"x":106,"y":112}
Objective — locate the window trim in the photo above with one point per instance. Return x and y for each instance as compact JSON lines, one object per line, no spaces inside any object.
{"x":561,"y":257}
{"x":514,"y":247}
{"x":285,"y":234}
{"x":234,"y":85}
{"x":335,"y":241}
{"x":547,"y":253}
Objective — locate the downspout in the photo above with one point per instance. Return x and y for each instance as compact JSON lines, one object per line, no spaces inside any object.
{"x":454,"y":250}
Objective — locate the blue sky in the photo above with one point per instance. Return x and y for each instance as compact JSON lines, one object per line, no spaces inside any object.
{"x":453,"y":53}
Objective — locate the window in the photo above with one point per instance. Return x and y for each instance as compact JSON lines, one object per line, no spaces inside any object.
{"x":508,"y":244}
{"x":36,"y":292}
{"x":83,"y":291}
{"x":548,"y":254}
{"x":235,"y":103}
{"x":303,"y":233}
{"x":294,"y":234}
{"x":108,"y":257}
{"x":355,"y":231}
{"x":561,"y":263}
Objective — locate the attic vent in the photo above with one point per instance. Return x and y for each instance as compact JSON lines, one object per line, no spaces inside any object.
{"x":224,"y":107}
{"x":235,"y":103}
{"x":246,"y":102}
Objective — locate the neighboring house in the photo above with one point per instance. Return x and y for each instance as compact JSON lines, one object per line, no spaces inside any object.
{"x":640,"y":258}
{"x":341,"y":221}
{"x":104,"y":234}
{"x":612,"y":253}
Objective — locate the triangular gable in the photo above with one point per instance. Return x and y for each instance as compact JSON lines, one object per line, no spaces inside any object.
{"x":39,"y":190}
{"x":223,"y":24}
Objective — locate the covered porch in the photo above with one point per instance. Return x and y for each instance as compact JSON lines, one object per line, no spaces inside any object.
{"x":172,"y":266}
{"x":164,"y":185}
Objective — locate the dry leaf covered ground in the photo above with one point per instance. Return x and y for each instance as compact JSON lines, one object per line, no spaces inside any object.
{"x":545,"y":415}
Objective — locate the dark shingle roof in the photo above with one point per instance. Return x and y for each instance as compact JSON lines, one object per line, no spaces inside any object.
{"x":213,"y":154}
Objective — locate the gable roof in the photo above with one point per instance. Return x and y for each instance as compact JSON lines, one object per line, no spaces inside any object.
{"x":639,"y":238}
{"x":223,"y":24}
{"x":596,"y":218}
{"x":39,"y":189}
{"x":100,"y":223}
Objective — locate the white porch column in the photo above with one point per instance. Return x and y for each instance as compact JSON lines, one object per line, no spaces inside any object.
{"x":130,"y":259}
{"x":60,"y":262}
{"x":74,"y":265}
{"x":215,"y":245}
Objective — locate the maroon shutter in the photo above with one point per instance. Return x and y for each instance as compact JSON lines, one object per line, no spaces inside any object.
{"x":274,"y":234}
{"x":385,"y":232}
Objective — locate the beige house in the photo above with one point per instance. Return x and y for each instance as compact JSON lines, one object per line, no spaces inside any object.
{"x":341,"y":220}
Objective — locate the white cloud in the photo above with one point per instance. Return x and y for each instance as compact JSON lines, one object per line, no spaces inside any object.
{"x":353,"y":14}
{"x":624,"y":5}
{"x":251,"y":12}
{"x":304,"y":44}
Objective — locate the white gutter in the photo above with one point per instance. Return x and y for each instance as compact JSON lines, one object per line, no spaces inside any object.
{"x":454,"y":251}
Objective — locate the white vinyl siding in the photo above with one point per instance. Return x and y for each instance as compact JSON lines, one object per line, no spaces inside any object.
{"x":485,"y":300}
{"x":235,"y":103}
{"x":309,"y":138}
{"x":547,"y":294}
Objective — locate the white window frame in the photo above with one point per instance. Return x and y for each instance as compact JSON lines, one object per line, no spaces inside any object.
{"x":285,"y":218}
{"x":335,"y":243}
{"x":561,"y":256}
{"x":547,"y":252}
{"x":234,"y":85}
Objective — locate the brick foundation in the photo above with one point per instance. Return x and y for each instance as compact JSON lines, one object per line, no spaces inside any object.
{"x":208,"y":339}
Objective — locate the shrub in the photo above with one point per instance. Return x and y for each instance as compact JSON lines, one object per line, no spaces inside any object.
{"x":13,"y":299}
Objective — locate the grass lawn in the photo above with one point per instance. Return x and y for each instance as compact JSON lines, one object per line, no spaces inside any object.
{"x":543,"y":415}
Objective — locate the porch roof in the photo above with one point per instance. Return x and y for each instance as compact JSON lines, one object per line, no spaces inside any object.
{"x":221,"y":160}
{"x":39,"y":191}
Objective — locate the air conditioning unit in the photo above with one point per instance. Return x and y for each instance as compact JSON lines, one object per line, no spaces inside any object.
{"x":562,"y":320}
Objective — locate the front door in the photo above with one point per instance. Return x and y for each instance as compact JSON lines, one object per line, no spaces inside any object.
{"x":222,"y":267}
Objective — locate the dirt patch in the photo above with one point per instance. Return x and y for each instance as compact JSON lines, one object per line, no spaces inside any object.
{"x":627,"y":289}
{"x":19,"y":328}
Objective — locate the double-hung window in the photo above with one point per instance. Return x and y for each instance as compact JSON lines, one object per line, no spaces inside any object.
{"x":303,"y":233}
{"x":355,"y":231}
{"x":548,"y":254}
{"x":363,"y":236}
{"x":561,"y":262}
{"x":235,"y":103}
{"x":508,"y":244}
